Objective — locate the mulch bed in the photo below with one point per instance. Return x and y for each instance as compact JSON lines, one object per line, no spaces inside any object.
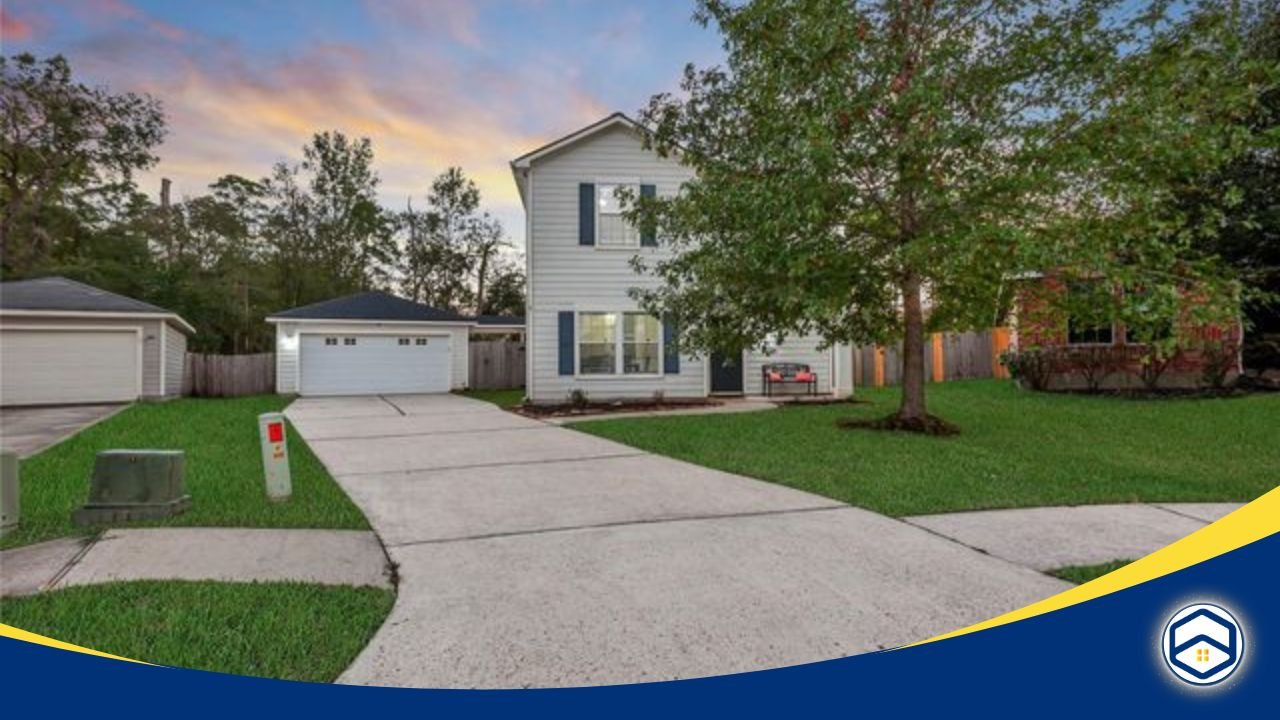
{"x":604,"y":408}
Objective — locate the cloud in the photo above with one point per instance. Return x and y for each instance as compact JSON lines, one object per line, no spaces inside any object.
{"x":115,"y":14}
{"x":12,"y":28}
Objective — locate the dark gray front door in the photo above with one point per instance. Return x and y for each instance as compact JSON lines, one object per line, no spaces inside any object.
{"x":726,"y":373}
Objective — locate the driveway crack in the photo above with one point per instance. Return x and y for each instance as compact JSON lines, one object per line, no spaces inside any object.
{"x":384,"y":399}
{"x":621,"y":523}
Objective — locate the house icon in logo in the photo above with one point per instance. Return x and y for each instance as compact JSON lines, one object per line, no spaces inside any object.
{"x":1203,"y":644}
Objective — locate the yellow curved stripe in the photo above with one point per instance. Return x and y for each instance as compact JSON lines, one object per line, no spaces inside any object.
{"x":1250,"y":523}
{"x":10,"y":631}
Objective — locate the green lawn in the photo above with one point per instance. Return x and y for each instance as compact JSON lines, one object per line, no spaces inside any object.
{"x":502,"y":398}
{"x":1081,"y":574}
{"x":1016,"y":449}
{"x":223,"y":470}
{"x":291,"y":631}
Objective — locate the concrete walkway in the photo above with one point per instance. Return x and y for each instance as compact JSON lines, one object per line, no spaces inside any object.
{"x":1054,"y":537}
{"x":331,"y":557}
{"x":533,"y":555}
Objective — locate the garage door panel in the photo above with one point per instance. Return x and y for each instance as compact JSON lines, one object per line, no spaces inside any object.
{"x":375,"y":364}
{"x":39,"y":367}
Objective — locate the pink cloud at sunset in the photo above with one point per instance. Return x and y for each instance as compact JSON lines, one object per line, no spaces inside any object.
{"x":245,"y":84}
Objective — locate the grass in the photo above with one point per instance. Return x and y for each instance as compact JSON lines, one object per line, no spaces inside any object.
{"x":1016,"y":449}
{"x":292,"y":631}
{"x":508,"y":398}
{"x":223,"y":470}
{"x":1081,"y":574}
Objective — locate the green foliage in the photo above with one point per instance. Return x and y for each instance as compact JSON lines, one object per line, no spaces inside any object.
{"x":286,"y":631}
{"x":309,"y":231}
{"x":68,"y":153}
{"x":452,"y":250}
{"x":1030,"y":367}
{"x":1018,"y":449}
{"x":849,"y":154}
{"x":223,"y":470}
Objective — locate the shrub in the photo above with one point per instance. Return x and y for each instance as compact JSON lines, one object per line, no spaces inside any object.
{"x":1217,"y":358}
{"x":1031,"y":368}
{"x":1095,"y":363}
{"x":578,"y":398}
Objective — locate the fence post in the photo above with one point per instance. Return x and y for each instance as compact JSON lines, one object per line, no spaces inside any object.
{"x":999,"y":343}
{"x":879,"y":366}
{"x":938,"y":374}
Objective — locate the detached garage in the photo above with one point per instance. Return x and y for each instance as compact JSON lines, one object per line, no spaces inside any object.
{"x":64,"y":342}
{"x":371,"y":343}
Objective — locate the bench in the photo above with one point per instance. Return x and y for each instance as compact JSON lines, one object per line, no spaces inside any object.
{"x":783,"y":373}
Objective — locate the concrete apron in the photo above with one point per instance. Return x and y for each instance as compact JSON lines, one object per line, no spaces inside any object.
{"x":533,"y":556}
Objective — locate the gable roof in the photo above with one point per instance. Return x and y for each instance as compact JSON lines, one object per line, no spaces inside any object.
{"x":520,"y":166}
{"x":62,"y":295}
{"x":579,"y":135}
{"x":372,"y":305}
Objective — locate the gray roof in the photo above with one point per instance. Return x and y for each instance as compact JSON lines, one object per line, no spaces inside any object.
{"x":59,"y":293}
{"x":500,"y":319}
{"x":373,"y":305}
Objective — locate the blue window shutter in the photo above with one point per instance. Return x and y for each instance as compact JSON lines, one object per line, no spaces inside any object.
{"x":671,"y":347}
{"x":566,"y":342}
{"x":648,"y":235}
{"x":586,"y":214}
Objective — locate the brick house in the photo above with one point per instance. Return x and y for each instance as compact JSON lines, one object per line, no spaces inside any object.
{"x":1079,"y":354}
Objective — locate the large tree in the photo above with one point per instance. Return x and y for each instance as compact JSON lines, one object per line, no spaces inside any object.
{"x":866,"y":170}
{"x":453,"y":249}
{"x":68,"y":153}
{"x":325,"y":233}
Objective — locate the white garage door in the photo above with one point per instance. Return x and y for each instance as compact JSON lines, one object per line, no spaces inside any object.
{"x":375,"y":364}
{"x":46,"y":367}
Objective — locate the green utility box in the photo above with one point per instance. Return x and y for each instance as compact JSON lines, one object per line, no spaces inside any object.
{"x":134,"y":485}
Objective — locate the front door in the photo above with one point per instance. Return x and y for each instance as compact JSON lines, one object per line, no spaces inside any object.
{"x":726,"y":373}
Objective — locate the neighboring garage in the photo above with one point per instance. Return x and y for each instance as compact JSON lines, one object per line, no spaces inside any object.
{"x":368,"y":344}
{"x":63,"y":342}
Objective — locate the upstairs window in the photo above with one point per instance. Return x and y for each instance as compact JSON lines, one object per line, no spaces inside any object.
{"x":612,"y":229}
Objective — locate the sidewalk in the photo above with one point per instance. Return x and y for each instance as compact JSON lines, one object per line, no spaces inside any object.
{"x":330,"y":557}
{"x":1047,"y":538}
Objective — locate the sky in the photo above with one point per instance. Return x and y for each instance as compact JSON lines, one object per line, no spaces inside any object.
{"x":433,"y":83}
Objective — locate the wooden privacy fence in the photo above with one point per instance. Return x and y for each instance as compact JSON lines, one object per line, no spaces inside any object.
{"x":497,"y":364}
{"x":229,"y":375}
{"x":947,"y":356}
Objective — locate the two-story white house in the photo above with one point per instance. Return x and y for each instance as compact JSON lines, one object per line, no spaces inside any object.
{"x":584,"y":331}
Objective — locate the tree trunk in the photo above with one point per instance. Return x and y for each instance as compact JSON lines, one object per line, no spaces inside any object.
{"x":913,"y":407}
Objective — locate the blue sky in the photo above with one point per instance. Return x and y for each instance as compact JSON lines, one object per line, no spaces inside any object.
{"x":432,"y":82}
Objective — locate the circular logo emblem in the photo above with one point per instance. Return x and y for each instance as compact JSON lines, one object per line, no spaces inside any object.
{"x":1203,"y":644}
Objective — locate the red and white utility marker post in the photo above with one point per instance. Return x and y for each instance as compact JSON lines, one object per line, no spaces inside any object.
{"x":275,"y":455}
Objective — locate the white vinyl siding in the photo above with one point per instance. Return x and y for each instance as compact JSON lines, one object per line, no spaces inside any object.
{"x":567,"y":276}
{"x":290,"y":334}
{"x":175,"y":360}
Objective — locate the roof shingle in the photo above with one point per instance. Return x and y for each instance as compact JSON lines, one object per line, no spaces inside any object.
{"x":59,"y":293}
{"x":372,"y":305}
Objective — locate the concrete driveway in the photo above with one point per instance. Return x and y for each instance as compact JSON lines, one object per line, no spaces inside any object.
{"x":27,"y":431}
{"x":531,"y":555}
